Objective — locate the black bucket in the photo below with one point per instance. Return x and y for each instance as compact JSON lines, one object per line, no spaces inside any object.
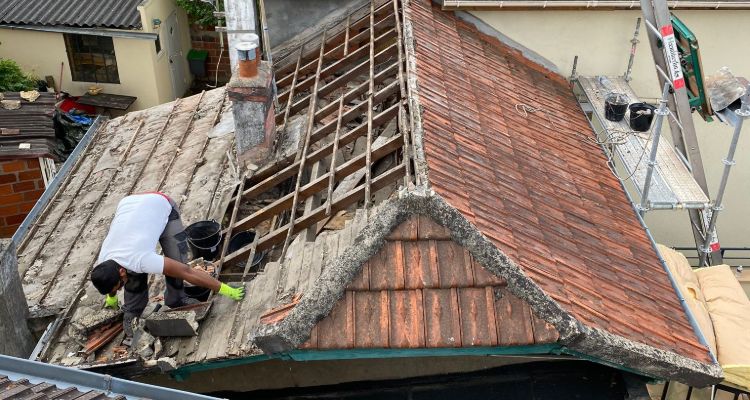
{"x":641,"y":116}
{"x":241,"y":240}
{"x":615,"y":106}
{"x":204,"y":238}
{"x":197,"y":292}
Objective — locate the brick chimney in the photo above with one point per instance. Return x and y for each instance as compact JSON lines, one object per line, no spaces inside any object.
{"x":251,"y":92}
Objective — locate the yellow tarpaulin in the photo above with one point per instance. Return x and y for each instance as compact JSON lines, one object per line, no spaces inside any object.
{"x":729,"y":308}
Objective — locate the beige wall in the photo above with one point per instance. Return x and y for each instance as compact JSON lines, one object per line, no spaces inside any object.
{"x":162,"y":9}
{"x":601,"y":39}
{"x":143,"y":73}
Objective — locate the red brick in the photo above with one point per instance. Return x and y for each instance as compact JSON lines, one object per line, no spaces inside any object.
{"x":24,"y":186}
{"x":35,"y":195}
{"x":15,"y":219}
{"x":6,"y":189}
{"x":30,"y":175}
{"x":8,"y":178}
{"x":13,"y":166}
{"x":32,"y":163}
{"x":12,"y":198}
{"x":9,"y":210}
{"x":26,"y":207}
{"x":7,"y":231}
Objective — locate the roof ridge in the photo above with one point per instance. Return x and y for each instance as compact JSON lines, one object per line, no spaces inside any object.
{"x":579,"y":340}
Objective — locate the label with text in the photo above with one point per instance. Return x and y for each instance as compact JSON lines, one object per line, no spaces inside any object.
{"x":673,"y":57}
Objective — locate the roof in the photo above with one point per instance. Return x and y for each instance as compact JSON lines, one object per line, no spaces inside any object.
{"x":164,"y":148}
{"x":121,"y":14}
{"x":423,"y":290}
{"x":22,"y":379}
{"x":540,"y":232}
{"x":529,"y":195}
{"x":582,"y":5}
{"x":35,"y":125}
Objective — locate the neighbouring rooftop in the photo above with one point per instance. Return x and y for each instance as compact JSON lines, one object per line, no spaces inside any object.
{"x":411,"y":205}
{"x":29,"y":131}
{"x":120,"y":14}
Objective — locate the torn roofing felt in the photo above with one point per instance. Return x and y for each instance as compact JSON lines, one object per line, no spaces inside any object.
{"x":528,"y":193}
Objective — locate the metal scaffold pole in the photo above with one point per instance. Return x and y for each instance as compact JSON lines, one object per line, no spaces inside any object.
{"x":660,"y":113}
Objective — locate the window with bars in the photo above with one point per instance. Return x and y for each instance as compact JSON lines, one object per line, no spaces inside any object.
{"x":92,"y":58}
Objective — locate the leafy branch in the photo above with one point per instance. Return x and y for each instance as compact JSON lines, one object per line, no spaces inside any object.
{"x":199,"y":12}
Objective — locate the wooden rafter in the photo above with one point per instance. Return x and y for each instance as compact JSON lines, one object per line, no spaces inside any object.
{"x":402,"y":87}
{"x":339,"y":65}
{"x":318,"y":184}
{"x":370,"y":94}
{"x":342,"y":50}
{"x":335,"y":40}
{"x":305,"y":221}
{"x":287,"y":172}
{"x":308,"y":132}
{"x":332,"y":180}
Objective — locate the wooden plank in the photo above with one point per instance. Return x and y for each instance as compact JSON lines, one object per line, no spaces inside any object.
{"x":421,"y":265}
{"x":285,"y":118}
{"x":286,"y":168}
{"x":371,"y":319}
{"x":302,"y":155}
{"x":318,"y":184}
{"x":477,"y":318}
{"x":442,"y":320}
{"x":303,"y":222}
{"x":336,"y":331}
{"x":342,"y":63}
{"x":331,"y":181}
{"x":260,"y":296}
{"x":407,"y":319}
{"x":513,"y":320}
{"x":387,"y":268}
{"x":368,"y":151}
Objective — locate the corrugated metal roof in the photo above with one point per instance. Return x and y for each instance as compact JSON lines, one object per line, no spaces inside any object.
{"x":121,"y":14}
{"x":24,"y":379}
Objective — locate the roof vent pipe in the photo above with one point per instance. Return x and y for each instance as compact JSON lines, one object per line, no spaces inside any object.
{"x":248,"y":56}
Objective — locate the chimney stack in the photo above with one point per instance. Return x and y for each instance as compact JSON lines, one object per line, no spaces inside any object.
{"x":251,"y":92}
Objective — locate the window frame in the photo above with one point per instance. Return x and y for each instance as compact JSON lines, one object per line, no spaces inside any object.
{"x":98,"y":49}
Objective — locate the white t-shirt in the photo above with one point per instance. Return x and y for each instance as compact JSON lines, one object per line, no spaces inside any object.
{"x":131,"y":242}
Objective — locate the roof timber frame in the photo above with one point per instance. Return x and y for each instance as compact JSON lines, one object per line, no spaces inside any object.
{"x":359,"y":72}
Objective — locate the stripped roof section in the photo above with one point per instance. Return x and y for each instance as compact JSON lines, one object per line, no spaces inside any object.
{"x":23,"y":389}
{"x":536,"y":185}
{"x":423,"y":290}
{"x":121,"y":14}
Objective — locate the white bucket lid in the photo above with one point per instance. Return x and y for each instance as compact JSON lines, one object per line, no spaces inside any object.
{"x":246,"y":46}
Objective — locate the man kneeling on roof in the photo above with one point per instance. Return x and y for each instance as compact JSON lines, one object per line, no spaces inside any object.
{"x":128,"y":255}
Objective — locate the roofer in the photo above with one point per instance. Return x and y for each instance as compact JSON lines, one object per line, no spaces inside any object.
{"x":128,"y":255}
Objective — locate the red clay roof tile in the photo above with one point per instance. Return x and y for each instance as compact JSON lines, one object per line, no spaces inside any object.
{"x":539,"y":188}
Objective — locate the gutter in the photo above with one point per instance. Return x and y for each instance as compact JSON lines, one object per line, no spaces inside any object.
{"x":51,"y":190}
{"x":62,"y":377}
{"x":688,"y":312}
{"x":84,"y":31}
{"x":588,"y":5}
{"x":551,"y":350}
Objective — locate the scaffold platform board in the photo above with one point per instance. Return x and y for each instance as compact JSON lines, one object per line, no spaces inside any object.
{"x":672,"y":185}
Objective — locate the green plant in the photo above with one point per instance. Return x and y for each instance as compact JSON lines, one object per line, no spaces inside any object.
{"x":12,"y":79}
{"x":199,"y":12}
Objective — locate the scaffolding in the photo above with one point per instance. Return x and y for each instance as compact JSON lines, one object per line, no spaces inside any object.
{"x":664,"y":177}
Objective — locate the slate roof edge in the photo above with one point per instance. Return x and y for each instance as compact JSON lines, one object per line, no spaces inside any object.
{"x":597,"y":344}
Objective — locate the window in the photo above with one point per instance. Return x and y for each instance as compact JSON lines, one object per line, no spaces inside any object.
{"x":92,"y":58}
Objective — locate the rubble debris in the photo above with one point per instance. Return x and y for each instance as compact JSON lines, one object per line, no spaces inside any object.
{"x":166,"y":364}
{"x":101,"y":336}
{"x":277,"y":314}
{"x":199,"y":264}
{"x":175,"y":323}
{"x":10,"y":104}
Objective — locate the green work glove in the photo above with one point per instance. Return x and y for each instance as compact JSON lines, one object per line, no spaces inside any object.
{"x":112,"y":302}
{"x":232,"y":293}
